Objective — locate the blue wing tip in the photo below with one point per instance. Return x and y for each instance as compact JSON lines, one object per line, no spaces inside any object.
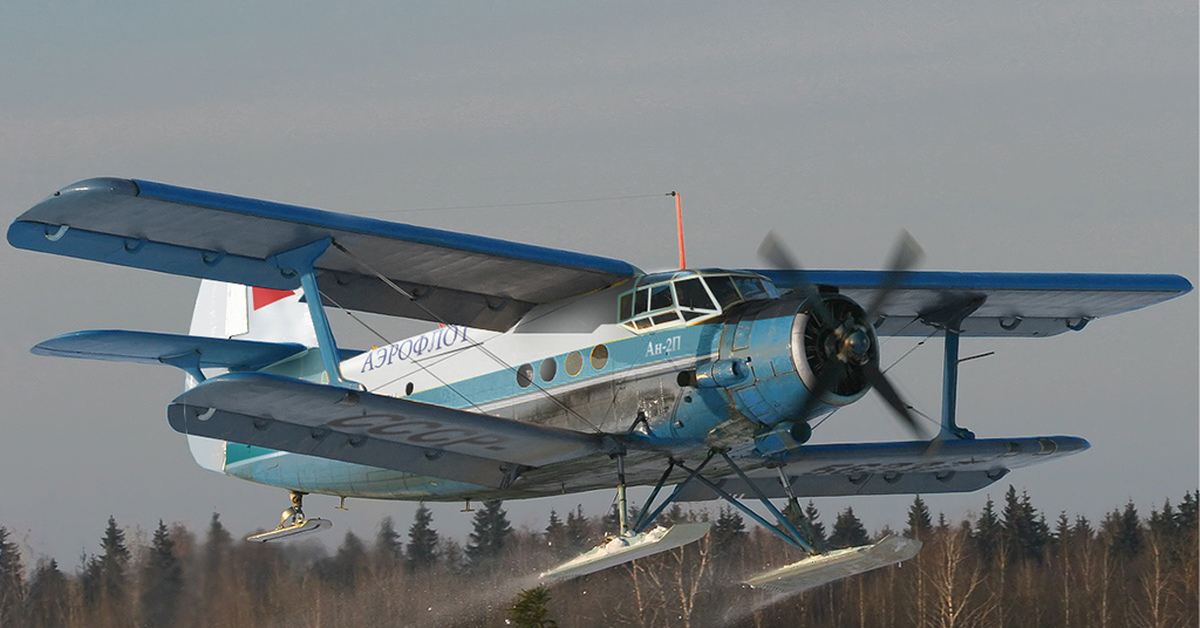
{"x":112,"y":185}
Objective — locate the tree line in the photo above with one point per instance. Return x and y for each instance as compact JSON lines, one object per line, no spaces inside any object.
{"x":1008,"y":565}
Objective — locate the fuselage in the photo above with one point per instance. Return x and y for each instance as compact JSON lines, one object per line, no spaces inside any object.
{"x":678,"y":362}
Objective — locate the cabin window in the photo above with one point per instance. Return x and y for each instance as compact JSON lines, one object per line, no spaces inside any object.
{"x":599,"y":357}
{"x":524,"y":375}
{"x":548,"y":369}
{"x":573,"y":363}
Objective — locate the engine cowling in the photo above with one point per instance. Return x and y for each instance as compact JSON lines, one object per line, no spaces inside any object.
{"x":773,"y":354}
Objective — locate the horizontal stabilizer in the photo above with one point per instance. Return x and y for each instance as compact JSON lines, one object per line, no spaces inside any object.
{"x":142,"y":347}
{"x":452,"y":277}
{"x":623,"y":549}
{"x":836,"y":565}
{"x":903,"y":468}
{"x":317,"y":420}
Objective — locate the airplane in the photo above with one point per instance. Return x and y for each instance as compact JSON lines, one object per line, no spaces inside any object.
{"x":550,"y":371}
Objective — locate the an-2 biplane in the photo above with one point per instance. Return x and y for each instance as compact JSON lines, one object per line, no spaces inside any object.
{"x":551,"y":372}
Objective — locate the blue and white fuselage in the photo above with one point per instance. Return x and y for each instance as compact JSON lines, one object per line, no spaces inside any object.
{"x":673,"y":359}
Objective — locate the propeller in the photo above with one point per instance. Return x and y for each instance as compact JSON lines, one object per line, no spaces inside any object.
{"x":847,"y":341}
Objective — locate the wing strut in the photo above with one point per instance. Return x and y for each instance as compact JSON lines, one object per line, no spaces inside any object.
{"x":951,"y":319}
{"x":300,"y":261}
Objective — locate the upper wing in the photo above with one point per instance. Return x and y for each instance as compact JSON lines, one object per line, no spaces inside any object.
{"x":995,"y":304}
{"x":301,"y":417}
{"x":956,"y":466}
{"x":456,"y":278}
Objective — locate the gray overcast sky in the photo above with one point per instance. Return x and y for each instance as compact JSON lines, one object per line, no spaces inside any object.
{"x":1004,"y":136}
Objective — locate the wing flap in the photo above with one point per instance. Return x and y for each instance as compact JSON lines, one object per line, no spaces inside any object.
{"x":456,"y":278}
{"x":897,"y":468}
{"x":997,"y":304}
{"x":398,"y":434}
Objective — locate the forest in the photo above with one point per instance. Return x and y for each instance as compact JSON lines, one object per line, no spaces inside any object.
{"x":1008,"y":565}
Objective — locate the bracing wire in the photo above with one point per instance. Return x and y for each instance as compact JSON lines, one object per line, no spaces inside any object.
{"x":510,"y":205}
{"x":480,"y":345}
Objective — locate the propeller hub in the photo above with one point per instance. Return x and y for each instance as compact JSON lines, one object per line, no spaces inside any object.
{"x":857,"y":345}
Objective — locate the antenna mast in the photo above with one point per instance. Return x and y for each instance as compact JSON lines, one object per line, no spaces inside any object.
{"x":679,"y":222}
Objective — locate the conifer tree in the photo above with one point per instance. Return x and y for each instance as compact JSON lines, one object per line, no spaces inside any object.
{"x":987,"y":533}
{"x":1187,"y":518}
{"x":342,"y":570}
{"x":809,"y":523}
{"x":48,"y":600}
{"x":217,"y":544}
{"x":389,"y":549}
{"x":555,"y":535}
{"x":531,"y":610}
{"x":729,"y":529}
{"x":848,"y":531}
{"x":919,"y":521}
{"x":1162,"y":523}
{"x":579,"y":532}
{"x":162,"y":580}
{"x":611,"y":523}
{"x":452,"y":557}
{"x":491,"y":530}
{"x":1025,"y":531}
{"x":1125,"y":531}
{"x":422,"y":541}
{"x":106,"y":575}
{"x":12,"y":583}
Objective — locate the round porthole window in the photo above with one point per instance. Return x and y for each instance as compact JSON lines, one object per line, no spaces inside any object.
{"x":599,"y":357}
{"x":524,"y":375}
{"x":548,"y":369}
{"x":574,"y":363}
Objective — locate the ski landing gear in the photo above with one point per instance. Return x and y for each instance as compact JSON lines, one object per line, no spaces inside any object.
{"x":293,"y":523}
{"x":631,"y":543}
{"x":818,"y":568}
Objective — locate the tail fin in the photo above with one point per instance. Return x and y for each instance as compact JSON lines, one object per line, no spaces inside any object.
{"x":226,"y":310}
{"x":229,"y":310}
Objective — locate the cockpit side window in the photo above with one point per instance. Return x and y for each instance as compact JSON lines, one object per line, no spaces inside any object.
{"x":722,"y":288}
{"x":691,"y":294}
{"x":750,"y":288}
{"x":641,"y":302}
{"x":660,"y":297}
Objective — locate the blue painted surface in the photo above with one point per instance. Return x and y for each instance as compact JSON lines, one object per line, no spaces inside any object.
{"x":984,"y":281}
{"x":373,"y":226}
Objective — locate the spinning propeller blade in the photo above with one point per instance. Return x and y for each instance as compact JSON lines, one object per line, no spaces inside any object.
{"x":905,"y":255}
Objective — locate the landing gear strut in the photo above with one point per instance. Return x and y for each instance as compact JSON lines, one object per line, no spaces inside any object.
{"x":294,"y":515}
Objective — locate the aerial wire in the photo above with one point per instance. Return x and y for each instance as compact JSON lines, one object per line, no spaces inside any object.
{"x":571,"y":201}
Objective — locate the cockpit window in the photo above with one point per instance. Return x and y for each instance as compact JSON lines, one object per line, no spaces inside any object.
{"x":671,"y":299}
{"x":750,"y":287}
{"x":722,"y":288}
{"x":691,"y":294}
{"x":660,"y":297}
